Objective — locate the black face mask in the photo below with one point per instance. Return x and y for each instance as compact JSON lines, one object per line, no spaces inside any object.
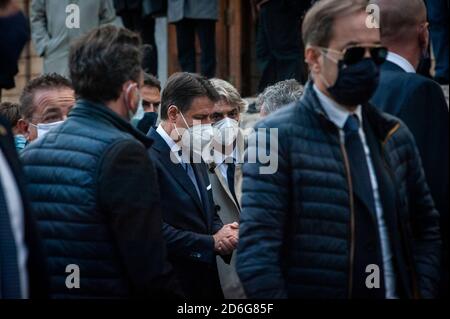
{"x":147,"y":122}
{"x":356,"y":83}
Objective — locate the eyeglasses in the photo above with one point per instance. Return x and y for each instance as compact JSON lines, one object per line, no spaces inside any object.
{"x":355,"y":54}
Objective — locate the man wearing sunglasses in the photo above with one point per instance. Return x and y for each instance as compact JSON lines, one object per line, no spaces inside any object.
{"x":416,"y":100}
{"x":348,"y":214}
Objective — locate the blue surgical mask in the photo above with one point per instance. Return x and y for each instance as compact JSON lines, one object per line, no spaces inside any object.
{"x":356,"y":83}
{"x":20,"y":142}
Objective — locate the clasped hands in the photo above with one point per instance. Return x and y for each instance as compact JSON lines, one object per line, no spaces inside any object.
{"x":226,"y":239}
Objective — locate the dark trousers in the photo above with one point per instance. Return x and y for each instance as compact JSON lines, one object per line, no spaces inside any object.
{"x":206,"y":31}
{"x":133,"y":20}
{"x":279,"y":48}
{"x":438,"y":17}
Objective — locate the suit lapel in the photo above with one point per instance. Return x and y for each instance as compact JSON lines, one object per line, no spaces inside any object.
{"x":237,"y":174}
{"x":175,"y":169}
{"x":224,"y":185}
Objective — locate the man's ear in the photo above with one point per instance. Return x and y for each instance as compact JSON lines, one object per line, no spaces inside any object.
{"x":22,"y":127}
{"x":424,"y":37}
{"x":312,"y":57}
{"x":172,"y":113}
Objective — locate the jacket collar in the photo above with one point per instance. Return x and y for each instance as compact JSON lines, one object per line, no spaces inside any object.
{"x":381,"y":123}
{"x":175,"y":169}
{"x":390,"y":66}
{"x":99,"y":112}
{"x":401,"y":62}
{"x":159,"y":143}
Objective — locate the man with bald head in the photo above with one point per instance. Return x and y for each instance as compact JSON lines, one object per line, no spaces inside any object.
{"x":44,"y":104}
{"x":417,"y":100}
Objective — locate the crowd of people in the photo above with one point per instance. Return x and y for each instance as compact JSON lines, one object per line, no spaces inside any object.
{"x":150,"y":191}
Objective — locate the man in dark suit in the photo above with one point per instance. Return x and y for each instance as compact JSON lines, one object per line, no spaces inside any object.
{"x":22,"y":264}
{"x":193,"y":231}
{"x":418,"y":101}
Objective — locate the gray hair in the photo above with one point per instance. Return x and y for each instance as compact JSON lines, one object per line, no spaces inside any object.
{"x":229,"y":94}
{"x":278,"y":95}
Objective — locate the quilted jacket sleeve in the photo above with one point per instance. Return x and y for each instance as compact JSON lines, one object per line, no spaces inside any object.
{"x":425,"y":225}
{"x":265,"y":207}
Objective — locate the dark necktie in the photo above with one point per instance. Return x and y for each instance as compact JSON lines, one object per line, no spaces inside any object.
{"x":9,"y":270}
{"x":231,"y":169}
{"x":358,"y":162}
{"x":366,"y":239}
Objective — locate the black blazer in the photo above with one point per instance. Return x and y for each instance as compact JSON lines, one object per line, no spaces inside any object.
{"x":37,"y":271}
{"x":421,"y":104}
{"x":188,"y":223}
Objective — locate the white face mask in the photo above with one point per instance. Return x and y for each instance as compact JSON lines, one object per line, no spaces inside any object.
{"x":44,"y":128}
{"x":227,"y":131}
{"x":140,"y":111}
{"x":198,"y":139}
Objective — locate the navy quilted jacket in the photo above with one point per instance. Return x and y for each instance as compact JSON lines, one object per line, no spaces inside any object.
{"x":296,"y":225}
{"x":95,"y":198}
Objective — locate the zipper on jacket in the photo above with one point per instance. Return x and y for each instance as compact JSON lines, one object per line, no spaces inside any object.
{"x":415,"y":287}
{"x":352,"y":220}
{"x":391,"y":132}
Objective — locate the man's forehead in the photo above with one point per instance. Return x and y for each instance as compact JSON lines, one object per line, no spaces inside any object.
{"x":201,"y":105}
{"x":222,"y":107}
{"x":353,"y":29}
{"x":54,"y":97}
{"x":147,"y":89}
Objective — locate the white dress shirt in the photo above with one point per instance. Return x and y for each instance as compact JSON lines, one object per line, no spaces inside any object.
{"x":15,"y":210}
{"x":401,"y":62}
{"x":339,"y":115}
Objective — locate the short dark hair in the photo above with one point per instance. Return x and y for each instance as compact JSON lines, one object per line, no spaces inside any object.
{"x":182,"y":88}
{"x":318,"y":23}
{"x":43,"y":82}
{"x":11,"y":112}
{"x":103,"y":60}
{"x":151,"y":80}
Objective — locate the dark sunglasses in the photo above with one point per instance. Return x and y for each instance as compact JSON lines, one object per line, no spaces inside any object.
{"x":355,"y":54}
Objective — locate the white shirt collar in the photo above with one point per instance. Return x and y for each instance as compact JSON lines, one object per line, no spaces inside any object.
{"x":174,"y":147}
{"x":337,"y":113}
{"x":401,"y":62}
